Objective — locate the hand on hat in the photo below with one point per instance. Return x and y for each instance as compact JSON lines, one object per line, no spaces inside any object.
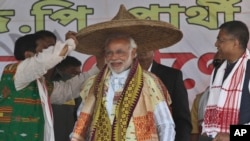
{"x":70,"y":43}
{"x":72,"y":35}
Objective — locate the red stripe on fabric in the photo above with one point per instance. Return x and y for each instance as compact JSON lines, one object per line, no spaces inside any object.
{"x":7,"y":58}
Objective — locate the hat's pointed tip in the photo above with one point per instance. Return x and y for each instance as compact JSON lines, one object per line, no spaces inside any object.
{"x":123,"y":13}
{"x":122,"y":6}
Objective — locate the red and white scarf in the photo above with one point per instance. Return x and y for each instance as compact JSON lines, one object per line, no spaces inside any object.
{"x":225,"y":97}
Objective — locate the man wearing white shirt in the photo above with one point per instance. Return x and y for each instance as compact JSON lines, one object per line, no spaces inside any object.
{"x":124,"y":98}
{"x":228,"y":101}
{"x":24,"y":102}
{"x":130,"y":109}
{"x":173,"y":79}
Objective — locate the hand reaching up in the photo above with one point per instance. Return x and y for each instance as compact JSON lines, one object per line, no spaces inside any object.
{"x":71,"y":34}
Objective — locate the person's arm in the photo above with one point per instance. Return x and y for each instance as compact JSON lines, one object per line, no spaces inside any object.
{"x":180,"y":110}
{"x":70,"y":89}
{"x":164,"y":122}
{"x":222,"y":137}
{"x":35,"y":67}
{"x":194,"y":119}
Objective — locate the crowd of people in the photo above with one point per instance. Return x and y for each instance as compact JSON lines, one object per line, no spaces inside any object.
{"x":126,"y":96}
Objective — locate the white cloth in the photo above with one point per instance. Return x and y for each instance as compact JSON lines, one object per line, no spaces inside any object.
{"x":202,"y":104}
{"x":222,"y":97}
{"x":70,"y":89}
{"x":164,"y":122}
{"x":47,"y":112}
{"x":150,"y":67}
{"x":117,"y":81}
{"x":34,"y":68}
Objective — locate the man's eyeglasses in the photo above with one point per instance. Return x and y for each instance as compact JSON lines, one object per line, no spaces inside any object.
{"x":119,"y":52}
{"x":224,"y":40}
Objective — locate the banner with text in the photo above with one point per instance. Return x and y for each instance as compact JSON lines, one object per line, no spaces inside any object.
{"x":197,"y":19}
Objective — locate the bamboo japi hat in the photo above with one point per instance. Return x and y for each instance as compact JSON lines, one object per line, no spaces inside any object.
{"x":148,"y":34}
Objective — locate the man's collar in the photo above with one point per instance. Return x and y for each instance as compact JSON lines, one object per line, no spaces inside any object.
{"x":122,"y":74}
{"x":150,"y":67}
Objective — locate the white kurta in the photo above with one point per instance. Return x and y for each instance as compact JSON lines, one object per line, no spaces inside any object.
{"x":163,"y":118}
{"x":70,"y":89}
{"x":34,"y":68}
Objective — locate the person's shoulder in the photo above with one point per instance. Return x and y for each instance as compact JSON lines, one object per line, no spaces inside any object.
{"x":87,"y":85}
{"x":151,"y":78}
{"x":153,"y":86}
{"x":198,"y":97}
{"x":90,"y":80}
{"x":10,"y":68}
{"x":196,"y":102}
{"x":148,"y":75}
{"x":167,"y":68}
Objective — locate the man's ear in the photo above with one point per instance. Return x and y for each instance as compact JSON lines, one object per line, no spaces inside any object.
{"x":134,"y":53}
{"x":28,"y":54}
{"x":237,"y":43}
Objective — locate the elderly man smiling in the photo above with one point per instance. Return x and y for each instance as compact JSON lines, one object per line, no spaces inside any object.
{"x":124,"y":102}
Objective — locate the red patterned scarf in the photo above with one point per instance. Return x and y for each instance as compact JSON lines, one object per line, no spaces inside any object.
{"x":224,"y":100}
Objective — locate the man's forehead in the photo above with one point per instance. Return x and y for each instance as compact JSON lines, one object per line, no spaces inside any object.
{"x":119,"y":40}
{"x":119,"y":43}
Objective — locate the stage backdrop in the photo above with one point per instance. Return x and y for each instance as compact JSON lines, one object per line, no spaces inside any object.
{"x":197,"y":19}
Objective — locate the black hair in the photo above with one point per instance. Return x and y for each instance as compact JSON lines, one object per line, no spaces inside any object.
{"x":24,"y":43}
{"x":44,"y":34}
{"x":237,"y":29}
{"x":68,"y":61}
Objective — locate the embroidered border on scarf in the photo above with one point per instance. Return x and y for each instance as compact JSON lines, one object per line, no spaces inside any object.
{"x":145,"y":127}
{"x":101,"y":127}
{"x":224,"y":100}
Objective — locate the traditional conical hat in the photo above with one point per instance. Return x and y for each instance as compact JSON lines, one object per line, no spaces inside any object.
{"x":148,"y":34}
